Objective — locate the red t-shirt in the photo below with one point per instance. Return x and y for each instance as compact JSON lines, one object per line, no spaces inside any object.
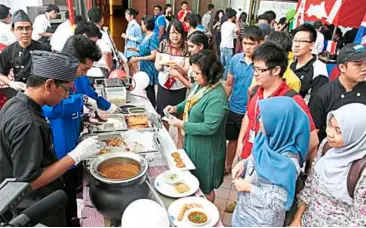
{"x":253,"y":112}
{"x":180,"y":17}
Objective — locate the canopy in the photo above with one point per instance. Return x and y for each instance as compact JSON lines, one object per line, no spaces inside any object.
{"x":346,"y":13}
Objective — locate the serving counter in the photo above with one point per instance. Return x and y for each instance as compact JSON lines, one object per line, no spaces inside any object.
{"x":157,"y":164}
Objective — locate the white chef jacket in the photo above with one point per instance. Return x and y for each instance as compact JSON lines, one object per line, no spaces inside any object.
{"x":40,"y":25}
{"x":62,"y":33}
{"x":7,"y":37}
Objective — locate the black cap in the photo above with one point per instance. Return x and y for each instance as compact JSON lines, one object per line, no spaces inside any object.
{"x":351,"y":52}
{"x":51,"y":7}
{"x":18,"y":16}
{"x":4,"y":11}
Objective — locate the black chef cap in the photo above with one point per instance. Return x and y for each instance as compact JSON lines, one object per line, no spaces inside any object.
{"x":54,"y":65}
{"x":18,"y":16}
{"x":4,"y":11}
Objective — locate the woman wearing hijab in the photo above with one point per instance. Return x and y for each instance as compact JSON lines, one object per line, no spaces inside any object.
{"x":204,"y":114}
{"x":325,"y":200}
{"x":266,"y":180}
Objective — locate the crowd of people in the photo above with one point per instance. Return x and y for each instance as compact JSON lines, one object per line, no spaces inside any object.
{"x":251,"y":101}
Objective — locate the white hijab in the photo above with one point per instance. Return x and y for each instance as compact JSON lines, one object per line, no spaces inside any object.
{"x":334,"y":166}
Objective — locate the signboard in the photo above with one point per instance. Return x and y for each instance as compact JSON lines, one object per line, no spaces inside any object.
{"x":279,"y":7}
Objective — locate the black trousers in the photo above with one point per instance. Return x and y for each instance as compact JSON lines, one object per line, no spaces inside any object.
{"x":72,"y":179}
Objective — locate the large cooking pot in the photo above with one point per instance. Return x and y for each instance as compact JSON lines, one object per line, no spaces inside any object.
{"x":111,"y":196}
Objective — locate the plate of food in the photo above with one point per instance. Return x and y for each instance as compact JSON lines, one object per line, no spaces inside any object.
{"x":188,"y":184}
{"x":179,"y":160}
{"x":193,"y":211}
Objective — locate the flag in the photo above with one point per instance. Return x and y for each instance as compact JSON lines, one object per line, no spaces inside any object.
{"x":361,"y":34}
{"x":331,"y":47}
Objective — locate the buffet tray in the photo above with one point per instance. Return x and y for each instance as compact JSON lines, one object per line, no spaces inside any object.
{"x":128,"y":145}
{"x":110,"y":126}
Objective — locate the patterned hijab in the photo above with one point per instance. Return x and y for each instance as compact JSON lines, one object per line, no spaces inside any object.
{"x":334,"y":166}
{"x":287,"y":131}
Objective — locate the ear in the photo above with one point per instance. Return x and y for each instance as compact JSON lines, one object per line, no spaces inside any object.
{"x":312,"y":45}
{"x":342,"y":67}
{"x":276,"y":71}
{"x":49,"y":85}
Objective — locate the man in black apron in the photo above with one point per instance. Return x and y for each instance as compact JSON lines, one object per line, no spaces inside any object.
{"x":17,"y":55}
{"x":26,"y":145}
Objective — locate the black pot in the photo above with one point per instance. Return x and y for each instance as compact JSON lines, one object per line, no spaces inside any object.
{"x":111,"y":197}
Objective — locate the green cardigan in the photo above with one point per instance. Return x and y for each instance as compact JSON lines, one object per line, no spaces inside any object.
{"x":205,"y":140}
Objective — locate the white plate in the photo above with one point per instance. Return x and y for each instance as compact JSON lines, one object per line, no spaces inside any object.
{"x":187,"y":161}
{"x":169,"y":190}
{"x":210,"y":209}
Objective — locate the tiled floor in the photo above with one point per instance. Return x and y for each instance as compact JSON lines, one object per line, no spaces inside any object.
{"x":225,"y":195}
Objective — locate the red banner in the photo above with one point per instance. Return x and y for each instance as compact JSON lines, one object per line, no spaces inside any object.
{"x":346,"y":13}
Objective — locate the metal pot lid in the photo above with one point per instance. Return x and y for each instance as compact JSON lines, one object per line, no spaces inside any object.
{"x":139,"y":159}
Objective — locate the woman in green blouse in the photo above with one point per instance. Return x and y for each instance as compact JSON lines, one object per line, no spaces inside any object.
{"x":204,"y":115}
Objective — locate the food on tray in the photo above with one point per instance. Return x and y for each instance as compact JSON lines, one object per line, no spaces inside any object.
{"x":181,"y":188}
{"x":187,"y":207}
{"x":197,"y":217}
{"x":104,"y":151}
{"x":137,"y":121}
{"x":118,"y":170}
{"x":115,"y":142}
{"x":175,"y":154}
{"x":178,"y":159}
{"x":112,"y":124}
{"x":180,"y":165}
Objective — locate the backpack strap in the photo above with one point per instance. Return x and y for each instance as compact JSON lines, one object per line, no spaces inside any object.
{"x":253,"y":92}
{"x":291,"y":93}
{"x":354,"y":174}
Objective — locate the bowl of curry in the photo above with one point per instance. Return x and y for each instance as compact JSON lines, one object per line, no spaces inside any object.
{"x":197,"y":217}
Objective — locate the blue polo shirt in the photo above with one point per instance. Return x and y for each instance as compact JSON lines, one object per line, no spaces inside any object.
{"x":159,"y":20}
{"x":243,"y":75}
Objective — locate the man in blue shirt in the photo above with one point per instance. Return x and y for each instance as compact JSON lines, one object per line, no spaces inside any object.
{"x":65,"y":117}
{"x":239,"y":78}
{"x":82,"y":83}
{"x":160,"y":22}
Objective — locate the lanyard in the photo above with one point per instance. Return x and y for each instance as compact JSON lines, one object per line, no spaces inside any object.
{"x":255,"y":114}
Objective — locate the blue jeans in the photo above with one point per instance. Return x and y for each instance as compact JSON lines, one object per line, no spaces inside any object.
{"x":225,"y":57}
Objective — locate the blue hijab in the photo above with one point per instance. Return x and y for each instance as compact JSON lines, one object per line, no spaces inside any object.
{"x":287,"y":130}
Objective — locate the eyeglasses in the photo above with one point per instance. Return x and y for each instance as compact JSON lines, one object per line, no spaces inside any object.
{"x":21,"y":28}
{"x":66,"y":90}
{"x":260,"y":71}
{"x":301,"y":41}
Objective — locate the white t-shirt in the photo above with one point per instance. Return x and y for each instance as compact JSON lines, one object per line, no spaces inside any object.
{"x":40,"y":26}
{"x":7,"y":37}
{"x":62,"y":33}
{"x":228,"y":30}
{"x":319,"y":43}
{"x":105,"y":49}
